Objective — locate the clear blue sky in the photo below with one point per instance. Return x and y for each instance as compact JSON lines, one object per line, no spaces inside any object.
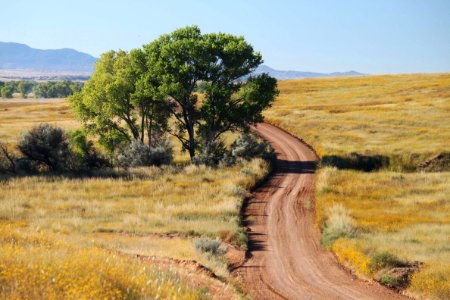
{"x":372,"y":36}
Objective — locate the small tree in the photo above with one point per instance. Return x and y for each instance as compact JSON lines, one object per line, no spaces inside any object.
{"x":46,"y":145}
{"x":7,"y":91}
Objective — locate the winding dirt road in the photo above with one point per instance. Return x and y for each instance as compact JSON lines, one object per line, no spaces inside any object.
{"x":286,"y":260}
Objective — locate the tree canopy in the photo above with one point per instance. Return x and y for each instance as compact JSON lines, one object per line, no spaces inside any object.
{"x":202,"y":81}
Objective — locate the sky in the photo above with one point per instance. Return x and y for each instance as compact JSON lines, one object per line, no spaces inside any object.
{"x":369,"y":36}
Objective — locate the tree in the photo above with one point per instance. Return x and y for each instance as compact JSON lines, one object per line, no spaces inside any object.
{"x":117,"y":105}
{"x":184,"y":59}
{"x":24,"y":87}
{"x":196,"y":78}
{"x":7,"y":91}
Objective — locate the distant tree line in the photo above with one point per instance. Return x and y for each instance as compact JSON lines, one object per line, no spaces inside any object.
{"x":49,"y":89}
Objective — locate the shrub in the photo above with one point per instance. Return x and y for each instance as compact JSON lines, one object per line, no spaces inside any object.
{"x":138,"y":154}
{"x":338,"y":225}
{"x":356,"y":161}
{"x":86,"y":157}
{"x":207,"y":245}
{"x":212,"y":154}
{"x":390,"y":281}
{"x":247,"y":147}
{"x":385,"y":260}
{"x":46,"y":145}
{"x":7,"y":159}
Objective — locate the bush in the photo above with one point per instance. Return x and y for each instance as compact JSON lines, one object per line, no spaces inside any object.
{"x":338,"y":225}
{"x":46,"y":146}
{"x":7,"y":159}
{"x":247,"y":147}
{"x":212,"y":154}
{"x":356,"y":161}
{"x":138,"y":154}
{"x":207,"y":245}
{"x":86,"y":157}
{"x":385,"y":260}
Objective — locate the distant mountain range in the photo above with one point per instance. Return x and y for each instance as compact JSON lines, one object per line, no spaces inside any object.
{"x":281,"y":75}
{"x":14,"y":56}
{"x":46,"y":63}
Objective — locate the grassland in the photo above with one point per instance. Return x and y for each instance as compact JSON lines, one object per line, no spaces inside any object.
{"x":389,"y":115}
{"x":65,"y":236}
{"x":402,"y":213}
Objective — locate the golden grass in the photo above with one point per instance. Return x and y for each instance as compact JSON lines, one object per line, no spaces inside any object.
{"x":388,"y":114}
{"x":406,"y":214}
{"x":19,"y":115}
{"x":193,"y":200}
{"x":37,"y":266}
{"x":88,"y":219}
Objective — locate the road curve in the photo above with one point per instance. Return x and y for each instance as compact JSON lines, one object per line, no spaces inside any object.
{"x":286,"y":260}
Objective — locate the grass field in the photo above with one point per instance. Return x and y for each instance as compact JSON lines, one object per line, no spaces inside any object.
{"x":405,"y":214}
{"x":48,"y":221}
{"x":392,"y":115}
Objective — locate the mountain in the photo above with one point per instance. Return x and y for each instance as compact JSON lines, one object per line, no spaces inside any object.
{"x":279,"y":74}
{"x":14,"y":56}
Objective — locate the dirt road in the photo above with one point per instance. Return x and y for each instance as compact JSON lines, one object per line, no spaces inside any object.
{"x":286,"y":259}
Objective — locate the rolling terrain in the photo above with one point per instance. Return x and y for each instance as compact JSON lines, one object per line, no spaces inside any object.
{"x":394,"y":214}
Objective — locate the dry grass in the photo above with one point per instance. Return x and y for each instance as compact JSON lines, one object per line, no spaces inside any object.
{"x":39,"y":266}
{"x":61,"y":231}
{"x":406,"y":214}
{"x":19,"y":115}
{"x":389,"y":114}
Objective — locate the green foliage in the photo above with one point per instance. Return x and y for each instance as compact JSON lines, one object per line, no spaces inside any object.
{"x":182,"y":61}
{"x":56,"y":89}
{"x":7,"y":91}
{"x":390,"y":281}
{"x":85,"y":156}
{"x":116,"y":105}
{"x":385,"y":260}
{"x":131,"y":95}
{"x":24,"y":87}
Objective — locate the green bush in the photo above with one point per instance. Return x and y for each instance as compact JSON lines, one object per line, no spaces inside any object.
{"x":385,"y":260}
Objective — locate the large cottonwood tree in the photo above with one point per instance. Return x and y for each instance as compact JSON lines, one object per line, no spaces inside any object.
{"x":219,"y":62}
{"x":202,"y":80}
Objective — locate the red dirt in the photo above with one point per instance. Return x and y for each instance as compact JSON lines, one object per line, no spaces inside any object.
{"x":286,"y":259}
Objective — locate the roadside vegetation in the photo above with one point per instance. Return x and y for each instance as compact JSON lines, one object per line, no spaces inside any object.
{"x":388,"y":218}
{"x":138,"y":175}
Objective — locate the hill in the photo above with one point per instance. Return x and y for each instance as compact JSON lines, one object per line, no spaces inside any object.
{"x":282,"y":75}
{"x":15,"y":56}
